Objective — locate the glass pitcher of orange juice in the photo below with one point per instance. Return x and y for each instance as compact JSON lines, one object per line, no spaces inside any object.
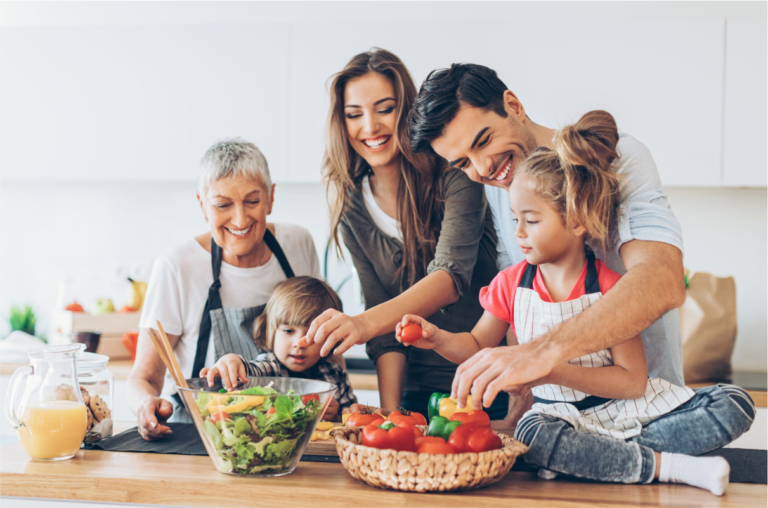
{"x":51,"y":418}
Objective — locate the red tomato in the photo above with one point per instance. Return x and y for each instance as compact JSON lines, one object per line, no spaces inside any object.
{"x":398,"y":437}
{"x":482,"y":440}
{"x":363,"y":418}
{"x":403,"y":415}
{"x":410,"y":333}
{"x":458,"y":438}
{"x":220,"y":416}
{"x":478,"y":416}
{"x":271,"y":411}
{"x":306,"y":398}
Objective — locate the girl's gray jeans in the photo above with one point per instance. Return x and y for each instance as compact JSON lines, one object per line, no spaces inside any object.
{"x":714,"y":417}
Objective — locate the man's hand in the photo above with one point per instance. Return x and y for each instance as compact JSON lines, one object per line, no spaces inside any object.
{"x":493,"y":370}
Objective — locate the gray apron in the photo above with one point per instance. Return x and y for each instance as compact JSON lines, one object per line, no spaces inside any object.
{"x":231,"y":327}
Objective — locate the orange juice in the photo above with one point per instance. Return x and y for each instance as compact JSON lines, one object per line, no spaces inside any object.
{"x":52,"y":429}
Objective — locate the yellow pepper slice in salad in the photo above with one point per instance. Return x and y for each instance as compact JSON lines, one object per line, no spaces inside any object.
{"x":239,"y":402}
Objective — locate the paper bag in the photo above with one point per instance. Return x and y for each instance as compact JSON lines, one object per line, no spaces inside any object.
{"x":708,"y":325}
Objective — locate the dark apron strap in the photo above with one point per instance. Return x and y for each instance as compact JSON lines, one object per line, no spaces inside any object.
{"x":271,"y":242}
{"x":214,"y":298}
{"x":527,"y":280}
{"x":591,"y":284}
{"x":581,"y":405}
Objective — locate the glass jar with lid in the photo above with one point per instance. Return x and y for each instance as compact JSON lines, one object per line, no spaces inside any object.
{"x":97,"y":388}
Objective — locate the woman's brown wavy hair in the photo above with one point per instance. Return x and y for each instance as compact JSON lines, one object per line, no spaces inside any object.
{"x":418,"y":196}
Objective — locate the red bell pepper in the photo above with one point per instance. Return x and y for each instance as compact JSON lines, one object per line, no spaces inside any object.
{"x":477,"y":416}
{"x":472,"y":438}
{"x":390,"y":436}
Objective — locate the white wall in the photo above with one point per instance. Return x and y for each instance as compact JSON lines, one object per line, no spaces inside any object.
{"x":97,"y":222}
{"x":92,"y":230}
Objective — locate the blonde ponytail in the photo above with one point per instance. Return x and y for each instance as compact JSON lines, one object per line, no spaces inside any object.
{"x":578,"y":177}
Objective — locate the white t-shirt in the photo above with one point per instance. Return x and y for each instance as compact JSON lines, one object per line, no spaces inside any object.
{"x":181,"y":277}
{"x":384,"y":222}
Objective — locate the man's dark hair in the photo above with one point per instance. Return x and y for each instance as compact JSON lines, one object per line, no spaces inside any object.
{"x":443,"y":92}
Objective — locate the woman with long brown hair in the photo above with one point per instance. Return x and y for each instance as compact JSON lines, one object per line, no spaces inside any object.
{"x":420,"y":234}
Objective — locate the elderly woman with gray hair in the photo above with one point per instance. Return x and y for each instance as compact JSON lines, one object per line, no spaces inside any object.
{"x":208,"y":290}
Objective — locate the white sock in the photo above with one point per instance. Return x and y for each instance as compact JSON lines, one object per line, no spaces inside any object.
{"x":546,"y":474}
{"x":709,"y":473}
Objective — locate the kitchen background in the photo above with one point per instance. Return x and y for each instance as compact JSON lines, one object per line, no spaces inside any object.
{"x":105,"y":110}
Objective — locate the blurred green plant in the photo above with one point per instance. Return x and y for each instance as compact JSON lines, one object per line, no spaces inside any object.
{"x":23,"y":320}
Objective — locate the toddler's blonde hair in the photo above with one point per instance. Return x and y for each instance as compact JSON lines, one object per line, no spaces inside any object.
{"x":294,"y":302}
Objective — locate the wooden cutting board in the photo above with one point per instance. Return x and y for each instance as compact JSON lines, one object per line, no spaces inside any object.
{"x":324,"y":448}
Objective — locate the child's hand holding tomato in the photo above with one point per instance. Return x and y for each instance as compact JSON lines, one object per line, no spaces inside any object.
{"x":416,"y":331}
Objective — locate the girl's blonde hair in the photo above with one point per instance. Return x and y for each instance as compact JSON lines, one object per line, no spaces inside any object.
{"x":419,"y":197}
{"x":294,"y":302}
{"x":578,"y":177}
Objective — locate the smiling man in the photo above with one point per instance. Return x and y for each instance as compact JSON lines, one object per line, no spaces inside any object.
{"x":468,"y":116}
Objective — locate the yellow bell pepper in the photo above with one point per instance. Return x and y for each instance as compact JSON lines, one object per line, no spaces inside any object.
{"x":326,"y":426}
{"x":344,"y":418}
{"x":450,"y":406}
{"x":241,"y":403}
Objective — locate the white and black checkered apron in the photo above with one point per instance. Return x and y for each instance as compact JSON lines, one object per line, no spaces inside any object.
{"x":621,"y":419}
{"x":230,"y":328}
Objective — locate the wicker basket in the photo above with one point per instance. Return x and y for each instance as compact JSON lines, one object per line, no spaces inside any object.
{"x":422,"y":472}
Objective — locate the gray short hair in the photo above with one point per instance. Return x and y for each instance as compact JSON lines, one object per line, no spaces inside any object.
{"x":232,"y":157}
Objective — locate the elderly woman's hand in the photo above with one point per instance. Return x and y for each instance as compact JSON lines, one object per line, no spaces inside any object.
{"x":152,"y":414}
{"x":336,"y":331}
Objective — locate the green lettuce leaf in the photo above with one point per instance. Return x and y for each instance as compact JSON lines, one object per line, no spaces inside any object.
{"x":202,"y":400}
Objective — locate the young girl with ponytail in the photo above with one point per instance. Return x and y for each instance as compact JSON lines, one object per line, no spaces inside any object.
{"x":598,"y":416}
{"x":293,"y":305}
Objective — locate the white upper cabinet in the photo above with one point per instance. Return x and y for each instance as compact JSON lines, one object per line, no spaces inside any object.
{"x":661,"y":78}
{"x":744,"y":152}
{"x":138,"y":102}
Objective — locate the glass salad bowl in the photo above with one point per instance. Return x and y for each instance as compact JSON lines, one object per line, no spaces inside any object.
{"x":262,"y":427}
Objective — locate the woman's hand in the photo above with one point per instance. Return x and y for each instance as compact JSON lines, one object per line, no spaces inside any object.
{"x":152,"y":414}
{"x":336,"y":331}
{"x":230,"y":368}
{"x":332,"y":412}
{"x":429,"y":332}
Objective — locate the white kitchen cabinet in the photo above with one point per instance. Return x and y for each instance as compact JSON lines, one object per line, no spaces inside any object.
{"x":656,"y":76}
{"x":745,"y":130}
{"x":138,"y":102}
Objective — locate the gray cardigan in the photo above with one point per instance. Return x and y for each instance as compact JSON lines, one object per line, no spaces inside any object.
{"x":466,"y":249}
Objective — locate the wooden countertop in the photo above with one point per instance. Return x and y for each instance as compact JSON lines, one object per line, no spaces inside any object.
{"x":177,"y":480}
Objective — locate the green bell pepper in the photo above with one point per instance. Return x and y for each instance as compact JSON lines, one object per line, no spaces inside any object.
{"x":440,"y":426}
{"x":433,"y":409}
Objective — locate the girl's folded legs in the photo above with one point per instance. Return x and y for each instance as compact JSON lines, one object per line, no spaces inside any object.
{"x":724,"y":413}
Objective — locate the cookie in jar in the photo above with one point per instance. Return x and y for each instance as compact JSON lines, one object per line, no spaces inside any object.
{"x":97,"y":390}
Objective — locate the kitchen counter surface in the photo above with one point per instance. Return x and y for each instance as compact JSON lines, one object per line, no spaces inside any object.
{"x":177,"y":480}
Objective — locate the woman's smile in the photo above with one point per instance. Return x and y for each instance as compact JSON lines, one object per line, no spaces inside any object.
{"x":378,"y":144}
{"x":240,"y":233}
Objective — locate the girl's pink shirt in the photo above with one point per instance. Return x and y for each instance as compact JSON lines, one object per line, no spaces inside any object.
{"x":499,"y":297}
